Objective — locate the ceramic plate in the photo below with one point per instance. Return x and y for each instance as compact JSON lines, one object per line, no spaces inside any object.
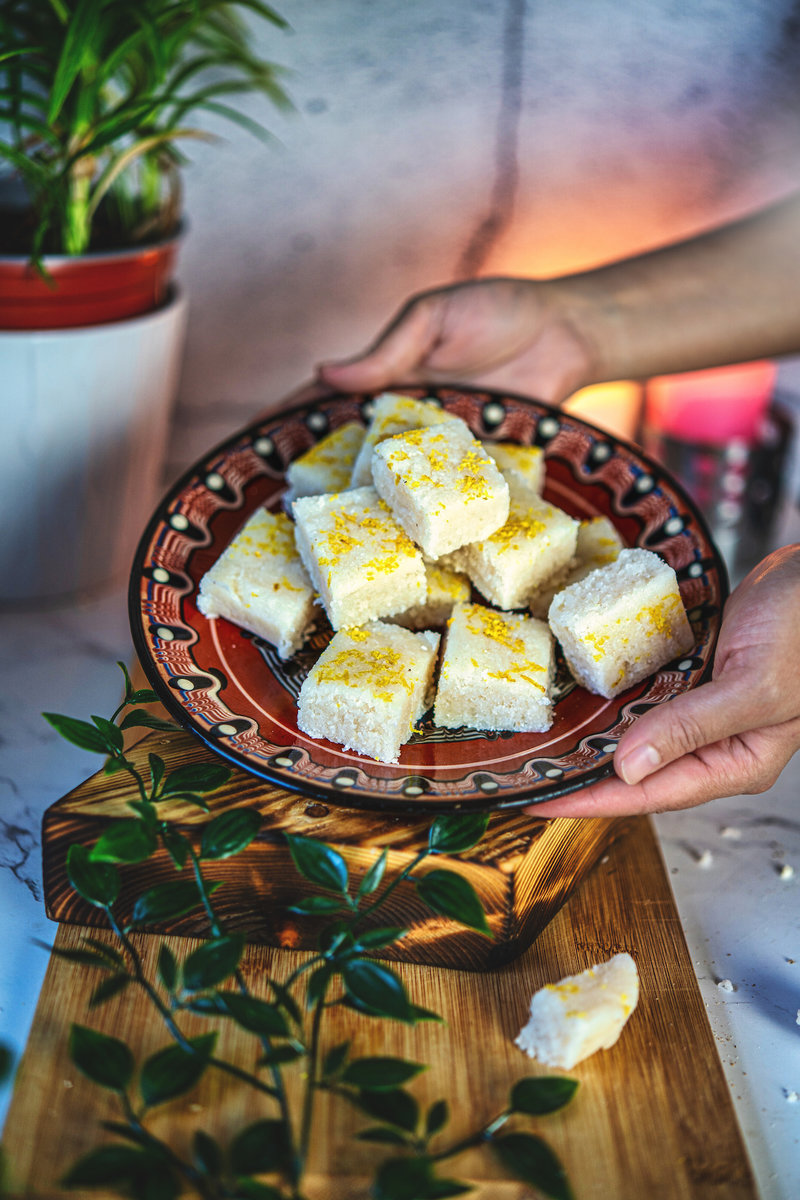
{"x":232,"y":691}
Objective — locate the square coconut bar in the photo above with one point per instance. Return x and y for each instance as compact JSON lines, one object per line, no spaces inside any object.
{"x":441,"y":486}
{"x":522,"y":467}
{"x":621,"y":623}
{"x":497,"y":672}
{"x":598,"y":544}
{"x":259,"y":583}
{"x":328,"y":465}
{"x":445,"y":589}
{"x":368,"y":688}
{"x":392,"y":413}
{"x":536,"y":542}
{"x":360,"y":560}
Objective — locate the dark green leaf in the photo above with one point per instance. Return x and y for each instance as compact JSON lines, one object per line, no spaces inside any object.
{"x":140,"y":718}
{"x":453,"y":896}
{"x":335,"y":1059}
{"x":186,"y":798}
{"x":380,"y":1073}
{"x":108,"y":988}
{"x":154,"y":1183}
{"x":176,"y":845}
{"x":147,"y":813}
{"x":319,"y":863}
{"x":173,"y":1071}
{"x":318,"y":981}
{"x":375,"y":939}
{"x":255,"y":1015}
{"x":79,"y":733}
{"x":280,"y":1056}
{"x":377,"y":987}
{"x":425,"y":1014}
{"x":413,"y":1179}
{"x":166,"y":901}
{"x":396,"y":1107}
{"x":212,"y":962}
{"x":316,"y":904}
{"x":113,"y":766}
{"x":384,"y":1135}
{"x":206,"y":1154}
{"x":229,"y":833}
{"x":127,"y":678}
{"x":207,"y":1006}
{"x":94,"y":881}
{"x":453,"y":833}
{"x":157,"y":769}
{"x":372,"y":879}
{"x":541,"y":1094}
{"x":124,"y":842}
{"x":167,"y":967}
{"x":105,"y":1060}
{"x":109,"y":1165}
{"x":86,"y":958}
{"x":253,"y":1189}
{"x":108,"y":952}
{"x":196,"y":777}
{"x":259,"y":1148}
{"x":336,"y":938}
{"x":286,"y":1001}
{"x":437,"y":1118}
{"x":112,"y":734}
{"x":530,"y":1159}
{"x":143,"y":696}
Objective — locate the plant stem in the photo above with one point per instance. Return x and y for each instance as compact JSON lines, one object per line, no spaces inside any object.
{"x":77,"y":224}
{"x":168,"y":1019}
{"x":474,"y":1139}
{"x":311,"y":1085}
{"x":398,"y":879}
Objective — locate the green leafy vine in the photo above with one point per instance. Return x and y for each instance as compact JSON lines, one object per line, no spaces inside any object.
{"x":288,"y":1025}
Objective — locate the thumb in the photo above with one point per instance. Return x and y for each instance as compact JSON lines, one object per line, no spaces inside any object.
{"x":715,"y":711}
{"x":396,"y":356}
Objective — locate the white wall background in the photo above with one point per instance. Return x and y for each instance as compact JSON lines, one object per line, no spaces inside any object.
{"x":434,"y":138}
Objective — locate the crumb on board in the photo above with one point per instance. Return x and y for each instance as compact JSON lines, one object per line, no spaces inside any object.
{"x":725,"y":985}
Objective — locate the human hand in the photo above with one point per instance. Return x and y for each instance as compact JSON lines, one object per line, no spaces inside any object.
{"x":506,"y":333}
{"x":731,"y":736}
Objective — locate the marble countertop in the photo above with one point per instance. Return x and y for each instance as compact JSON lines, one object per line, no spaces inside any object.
{"x":734,"y":866}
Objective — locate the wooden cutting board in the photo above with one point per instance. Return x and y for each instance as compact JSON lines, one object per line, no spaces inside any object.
{"x":652,"y":1117}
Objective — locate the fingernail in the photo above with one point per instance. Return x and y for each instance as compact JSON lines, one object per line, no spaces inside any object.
{"x":640,"y":762}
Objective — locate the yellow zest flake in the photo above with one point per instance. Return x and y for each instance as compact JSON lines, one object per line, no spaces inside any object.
{"x":657,"y":615}
{"x":471,"y":481}
{"x":576,"y":1012}
{"x":358,"y":635}
{"x":517,"y":671}
{"x":492,"y":625}
{"x":562,"y":988}
{"x":274,"y":536}
{"x":380,"y":669}
{"x":598,"y":640}
{"x":517,"y":528}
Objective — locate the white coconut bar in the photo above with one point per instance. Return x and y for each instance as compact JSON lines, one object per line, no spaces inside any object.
{"x":368,"y":688}
{"x":535,"y":543}
{"x":522,"y":467}
{"x":328,"y":465}
{"x":392,"y":413}
{"x":598,"y":545}
{"x":496,"y":673}
{"x":445,"y":589}
{"x":259,"y":583}
{"x":360,"y":560}
{"x":441,"y":486}
{"x":581,"y":1014}
{"x":621,"y":623}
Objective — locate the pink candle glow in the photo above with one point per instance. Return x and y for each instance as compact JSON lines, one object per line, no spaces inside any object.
{"x":713,"y":407}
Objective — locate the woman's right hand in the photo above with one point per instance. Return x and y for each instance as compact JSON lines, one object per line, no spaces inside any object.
{"x":512,"y":334}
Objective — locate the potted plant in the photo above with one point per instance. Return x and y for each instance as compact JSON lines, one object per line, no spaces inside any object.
{"x":97,"y":97}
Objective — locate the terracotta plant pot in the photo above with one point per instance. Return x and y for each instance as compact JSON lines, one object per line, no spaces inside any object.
{"x":91,"y":289}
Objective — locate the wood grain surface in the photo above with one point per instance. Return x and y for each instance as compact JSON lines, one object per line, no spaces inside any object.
{"x":523,"y":869}
{"x":652,"y":1117}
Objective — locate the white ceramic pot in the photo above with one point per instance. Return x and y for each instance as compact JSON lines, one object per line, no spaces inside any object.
{"x":84,"y":419}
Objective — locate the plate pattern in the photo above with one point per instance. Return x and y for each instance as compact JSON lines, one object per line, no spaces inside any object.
{"x":232,"y":691}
